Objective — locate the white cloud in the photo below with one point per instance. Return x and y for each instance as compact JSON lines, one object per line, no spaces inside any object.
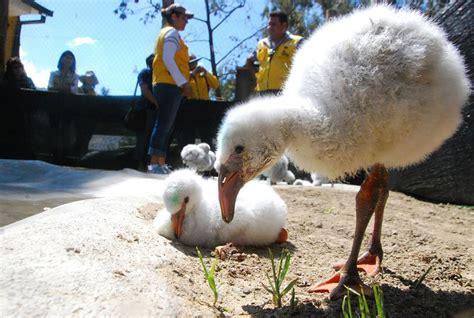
{"x":39,"y":76}
{"x":80,"y":41}
{"x":23,"y":53}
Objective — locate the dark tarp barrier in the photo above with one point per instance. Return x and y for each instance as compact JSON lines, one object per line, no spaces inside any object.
{"x":448,"y":174}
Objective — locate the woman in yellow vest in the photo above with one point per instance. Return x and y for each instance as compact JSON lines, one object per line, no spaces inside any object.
{"x":170,"y":82}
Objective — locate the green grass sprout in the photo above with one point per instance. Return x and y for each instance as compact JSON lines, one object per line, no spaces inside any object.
{"x":364,"y":311}
{"x":293,"y":301}
{"x":209,"y":275}
{"x":278,"y":277}
{"x":422,"y":277}
{"x":346,"y":306}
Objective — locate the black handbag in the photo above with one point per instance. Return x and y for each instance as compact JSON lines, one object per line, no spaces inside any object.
{"x":135,"y":119}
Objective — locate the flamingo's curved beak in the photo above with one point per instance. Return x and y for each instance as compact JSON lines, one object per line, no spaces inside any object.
{"x":230,"y":182}
{"x":177,"y":220}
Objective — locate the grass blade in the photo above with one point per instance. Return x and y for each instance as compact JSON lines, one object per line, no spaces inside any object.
{"x":267,"y":289}
{"x":285,"y":256}
{"x":351,"y":290}
{"x":364,"y":303}
{"x":209,"y":275}
{"x":273,"y":267}
{"x":378,"y":294}
{"x":273,"y":289}
{"x":346,"y":305}
{"x":422,"y":277}
{"x":202,"y":262}
{"x":293,"y":301}
{"x":289,"y":287}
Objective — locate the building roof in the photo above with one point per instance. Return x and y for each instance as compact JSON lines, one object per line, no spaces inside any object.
{"x":24,"y":7}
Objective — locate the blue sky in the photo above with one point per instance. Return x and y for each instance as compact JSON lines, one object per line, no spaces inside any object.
{"x":116,"y":49}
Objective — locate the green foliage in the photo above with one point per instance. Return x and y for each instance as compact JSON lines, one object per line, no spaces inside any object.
{"x":364,"y":311}
{"x":301,"y":14}
{"x":278,"y":277}
{"x":228,"y":87}
{"x":209,"y":275}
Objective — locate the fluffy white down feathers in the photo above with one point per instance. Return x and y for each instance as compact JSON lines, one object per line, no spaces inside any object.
{"x":377,"y":86}
{"x":258,"y":207}
{"x":279,"y":172}
{"x":198,"y":157}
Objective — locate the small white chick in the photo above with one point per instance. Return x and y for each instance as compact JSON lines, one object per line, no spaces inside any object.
{"x":198,"y":157}
{"x":192,"y":213}
{"x":279,"y":172}
{"x":317,"y":180}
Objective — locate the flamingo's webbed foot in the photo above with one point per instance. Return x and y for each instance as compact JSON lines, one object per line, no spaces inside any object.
{"x":335,"y":286}
{"x":369,"y":263}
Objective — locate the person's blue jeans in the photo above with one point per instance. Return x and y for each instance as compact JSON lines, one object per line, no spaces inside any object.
{"x":169,"y":98}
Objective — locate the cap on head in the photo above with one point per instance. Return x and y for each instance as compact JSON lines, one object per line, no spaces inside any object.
{"x":177,"y":8}
{"x":193,"y":58}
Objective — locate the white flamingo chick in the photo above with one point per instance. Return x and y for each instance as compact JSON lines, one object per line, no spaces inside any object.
{"x":378,"y":88}
{"x":199,"y":157}
{"x":279,"y":172}
{"x":318,"y":179}
{"x":193,"y":216}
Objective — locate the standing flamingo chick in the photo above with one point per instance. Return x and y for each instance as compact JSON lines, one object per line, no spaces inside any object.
{"x":380,"y":88}
{"x":192,"y":213}
{"x":279,"y":172}
{"x":198,"y":157}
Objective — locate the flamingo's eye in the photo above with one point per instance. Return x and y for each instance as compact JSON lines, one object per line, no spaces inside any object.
{"x":239,"y":149}
{"x":186,"y":199}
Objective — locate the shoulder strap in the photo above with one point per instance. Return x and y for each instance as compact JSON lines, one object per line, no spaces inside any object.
{"x":134,"y":102}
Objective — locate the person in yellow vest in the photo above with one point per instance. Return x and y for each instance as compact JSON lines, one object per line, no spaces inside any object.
{"x":200,"y":79}
{"x":170,"y":82}
{"x":274,"y":54}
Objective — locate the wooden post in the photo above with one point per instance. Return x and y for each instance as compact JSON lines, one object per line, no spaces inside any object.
{"x":3,"y":34}
{"x":245,"y":83}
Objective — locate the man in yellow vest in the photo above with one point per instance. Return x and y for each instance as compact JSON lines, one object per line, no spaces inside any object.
{"x":200,"y":79}
{"x":274,"y":54}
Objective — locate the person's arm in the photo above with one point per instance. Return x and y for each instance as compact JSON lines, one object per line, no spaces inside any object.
{"x":170,"y":48}
{"x":211,"y":79}
{"x":147,"y":93}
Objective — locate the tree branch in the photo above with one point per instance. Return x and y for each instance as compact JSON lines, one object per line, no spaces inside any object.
{"x":241,"y":5}
{"x":238,"y":44}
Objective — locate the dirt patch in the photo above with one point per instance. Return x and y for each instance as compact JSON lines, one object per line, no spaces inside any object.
{"x":416,"y":235}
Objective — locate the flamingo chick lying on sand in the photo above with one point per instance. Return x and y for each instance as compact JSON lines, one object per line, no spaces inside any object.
{"x":379,"y":88}
{"x":193,"y":215}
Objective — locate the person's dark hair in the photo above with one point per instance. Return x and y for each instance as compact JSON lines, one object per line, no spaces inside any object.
{"x":282,"y":16}
{"x":11,"y":64}
{"x":177,"y":9}
{"x":10,"y":81}
{"x":149,"y":61}
{"x":73,"y":65}
{"x":167,"y":16}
